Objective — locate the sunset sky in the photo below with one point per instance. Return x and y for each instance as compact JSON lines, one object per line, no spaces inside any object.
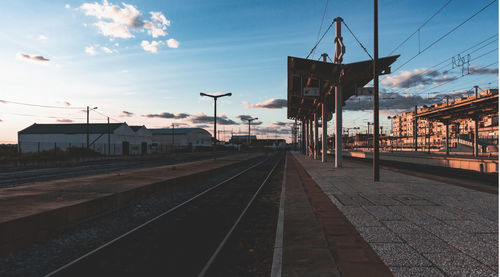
{"x":145,"y":62}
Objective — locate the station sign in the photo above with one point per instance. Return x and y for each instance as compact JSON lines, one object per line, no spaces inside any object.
{"x":311,"y":92}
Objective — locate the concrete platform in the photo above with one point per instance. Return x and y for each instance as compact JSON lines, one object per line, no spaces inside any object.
{"x":33,"y":212}
{"x":417,"y":227}
{"x":317,"y":239}
{"x":479,"y":164}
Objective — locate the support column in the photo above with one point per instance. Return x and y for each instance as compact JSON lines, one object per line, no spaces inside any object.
{"x":415,"y":130}
{"x":324,"y":131}
{"x":316,"y":137}
{"x":476,"y":136}
{"x":302,"y":138}
{"x":447,"y":139}
{"x":311,"y":138}
{"x":338,"y":126}
{"x":306,"y":138}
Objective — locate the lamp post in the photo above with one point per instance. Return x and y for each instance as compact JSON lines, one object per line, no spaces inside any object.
{"x":249,"y":121}
{"x":88,"y":125}
{"x":215,"y":97}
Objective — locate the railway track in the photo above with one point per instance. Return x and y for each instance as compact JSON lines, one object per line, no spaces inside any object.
{"x":186,"y":239}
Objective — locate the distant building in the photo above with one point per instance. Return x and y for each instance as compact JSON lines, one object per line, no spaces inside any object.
{"x":242,"y":139}
{"x":123,"y":139}
{"x":164,"y":139}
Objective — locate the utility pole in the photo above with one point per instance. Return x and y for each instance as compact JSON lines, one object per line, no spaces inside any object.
{"x":215,"y":97}
{"x":109,"y":138}
{"x":88,"y":125}
{"x":173,"y":131}
{"x":323,"y":123}
{"x":339,"y":53}
{"x":376,"y":170}
{"x":249,"y":121}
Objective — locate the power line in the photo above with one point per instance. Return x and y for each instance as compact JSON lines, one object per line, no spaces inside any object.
{"x":36,"y":105}
{"x":360,"y":44}
{"x":107,"y":116}
{"x":445,"y":35}
{"x":418,"y":29}
{"x":322,"y":19}
{"x":317,"y":43}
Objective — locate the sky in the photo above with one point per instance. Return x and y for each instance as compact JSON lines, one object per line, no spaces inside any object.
{"x":146,"y":62}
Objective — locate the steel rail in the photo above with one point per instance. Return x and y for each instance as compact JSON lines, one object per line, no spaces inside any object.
{"x":152,"y":220}
{"x":221,"y":245}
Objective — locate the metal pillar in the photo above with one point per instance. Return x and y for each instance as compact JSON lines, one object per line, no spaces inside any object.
{"x":306,"y":139}
{"x":415,"y":130}
{"x":303,"y":136}
{"x":316,"y":137}
{"x":323,"y":130}
{"x":447,"y":139}
{"x":338,"y":126}
{"x":311,"y":138}
{"x":376,"y":170}
{"x":476,"y":136}
{"x":339,"y":53}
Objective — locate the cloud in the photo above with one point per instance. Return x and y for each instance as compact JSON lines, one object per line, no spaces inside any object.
{"x":396,"y":101}
{"x":32,"y":58}
{"x":117,"y":21}
{"x":107,"y":50}
{"x":42,"y":37}
{"x":154,"y":44}
{"x":482,"y":70}
{"x":203,"y":126}
{"x":126,"y":114}
{"x":203,"y":118}
{"x":90,"y":50}
{"x":64,"y":120}
{"x":245,"y":118}
{"x":280,"y":123}
{"x":67,"y":6}
{"x":167,"y":115}
{"x":67,"y":103}
{"x":151,"y":46}
{"x":269,"y":104}
{"x":172,"y":43}
{"x":416,"y":78}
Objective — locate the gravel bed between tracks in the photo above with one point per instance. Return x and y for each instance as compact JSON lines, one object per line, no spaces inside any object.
{"x":44,"y":257}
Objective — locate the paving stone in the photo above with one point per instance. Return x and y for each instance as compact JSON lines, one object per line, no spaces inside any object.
{"x":470,"y":226}
{"x":378,"y":234}
{"x":344,"y":199}
{"x":459,"y":264}
{"x":442,"y":213}
{"x":425,"y":242}
{"x":416,"y":271}
{"x":383,"y":213}
{"x":399,"y":254}
{"x":359,"y":217}
{"x":488,"y":237}
{"x":414,"y":215}
{"x":403,"y":227}
{"x":381,"y":199}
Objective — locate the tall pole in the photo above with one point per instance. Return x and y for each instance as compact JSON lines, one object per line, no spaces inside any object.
{"x":215,"y":128}
{"x":415,"y":130}
{"x":249,"y":132}
{"x":339,"y":53}
{"x":376,"y":170}
{"x":323,"y":123}
{"x":109,"y":139}
{"x":316,"y":137}
{"x":88,"y":127}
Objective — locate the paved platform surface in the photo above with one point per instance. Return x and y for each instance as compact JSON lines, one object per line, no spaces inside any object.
{"x":31,"y":212}
{"x":318,"y":240}
{"x":418,"y":227}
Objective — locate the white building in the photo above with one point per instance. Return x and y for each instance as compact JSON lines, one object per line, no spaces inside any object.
{"x":112,"y":139}
{"x":168,"y":138}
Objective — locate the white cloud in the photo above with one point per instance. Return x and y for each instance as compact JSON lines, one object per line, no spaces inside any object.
{"x":42,"y":37}
{"x":417,"y":78}
{"x":117,"y":21}
{"x":151,"y":46}
{"x":172,"y":43}
{"x":67,"y":6}
{"x":107,"y":50}
{"x":90,"y":50}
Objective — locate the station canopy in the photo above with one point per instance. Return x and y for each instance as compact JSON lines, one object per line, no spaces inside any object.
{"x":311,"y":83}
{"x":466,"y":109}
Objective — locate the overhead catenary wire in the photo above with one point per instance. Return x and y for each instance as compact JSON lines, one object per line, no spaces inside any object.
{"x":321,"y":25}
{"x":445,"y":35}
{"x":37,"y":105}
{"x":360,"y":44}
{"x":319,"y":41}
{"x":420,"y":27}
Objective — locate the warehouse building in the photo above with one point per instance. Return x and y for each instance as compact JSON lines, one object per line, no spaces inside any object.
{"x":107,"y":139}
{"x":167,"y":139}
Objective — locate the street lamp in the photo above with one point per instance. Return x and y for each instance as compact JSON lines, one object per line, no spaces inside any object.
{"x":215,"y":116}
{"x":250,"y":120}
{"x":88,"y":125}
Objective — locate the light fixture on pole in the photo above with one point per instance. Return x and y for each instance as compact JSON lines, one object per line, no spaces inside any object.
{"x":215,"y":97}
{"x":249,"y":121}
{"x":88,"y":125}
